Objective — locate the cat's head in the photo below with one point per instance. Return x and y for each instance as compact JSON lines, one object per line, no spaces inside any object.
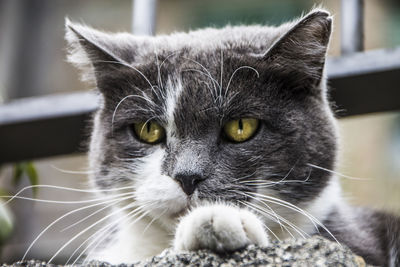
{"x":210,"y":115}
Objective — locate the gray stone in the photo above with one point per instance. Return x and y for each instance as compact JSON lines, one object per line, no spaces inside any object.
{"x":315,"y":251}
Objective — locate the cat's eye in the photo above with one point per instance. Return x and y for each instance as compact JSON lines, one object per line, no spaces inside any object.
{"x":241,"y":130}
{"x":149,"y":132}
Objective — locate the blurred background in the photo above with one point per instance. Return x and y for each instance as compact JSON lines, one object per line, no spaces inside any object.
{"x":32,"y":63}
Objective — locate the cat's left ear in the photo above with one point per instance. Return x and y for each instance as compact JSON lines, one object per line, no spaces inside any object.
{"x":299,"y":55}
{"x":97,"y":53}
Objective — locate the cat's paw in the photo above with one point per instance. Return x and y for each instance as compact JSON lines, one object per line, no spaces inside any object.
{"x":220,"y":228}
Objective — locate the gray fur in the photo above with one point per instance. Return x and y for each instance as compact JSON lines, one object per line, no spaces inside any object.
{"x":278,"y":78}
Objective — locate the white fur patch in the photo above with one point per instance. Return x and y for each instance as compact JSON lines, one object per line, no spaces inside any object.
{"x":134,"y":242}
{"x":161,"y":192}
{"x":320,"y":208}
{"x":174,"y":90}
{"x":162,"y":197}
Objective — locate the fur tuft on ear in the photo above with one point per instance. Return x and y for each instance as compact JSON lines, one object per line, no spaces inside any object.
{"x":76,"y":54}
{"x":93,"y":51}
{"x":300,"y":53}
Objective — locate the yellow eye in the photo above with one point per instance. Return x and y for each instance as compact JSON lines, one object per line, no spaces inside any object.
{"x":241,"y":130}
{"x":149,"y":132}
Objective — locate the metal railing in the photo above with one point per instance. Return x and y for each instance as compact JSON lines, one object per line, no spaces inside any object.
{"x":352,"y":28}
{"x":361,"y":83}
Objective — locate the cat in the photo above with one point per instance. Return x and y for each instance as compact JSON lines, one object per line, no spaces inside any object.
{"x":217,"y":139}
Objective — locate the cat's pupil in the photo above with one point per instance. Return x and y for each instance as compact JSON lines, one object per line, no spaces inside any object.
{"x":148,"y":127}
{"x":240,"y":126}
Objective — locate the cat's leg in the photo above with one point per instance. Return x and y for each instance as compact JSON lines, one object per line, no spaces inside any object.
{"x":220,"y":228}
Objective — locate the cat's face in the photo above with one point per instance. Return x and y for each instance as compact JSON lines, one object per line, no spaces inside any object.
{"x":213,"y":115}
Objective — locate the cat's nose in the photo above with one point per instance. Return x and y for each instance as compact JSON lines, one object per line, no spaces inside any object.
{"x":189,"y":182}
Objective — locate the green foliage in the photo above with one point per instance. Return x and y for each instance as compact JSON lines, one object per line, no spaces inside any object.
{"x":29,"y":169}
{"x":6,"y":222}
{"x":21,"y":169}
{"x":6,"y":219}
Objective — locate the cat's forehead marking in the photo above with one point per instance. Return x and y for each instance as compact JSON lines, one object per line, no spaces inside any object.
{"x":173,"y":91}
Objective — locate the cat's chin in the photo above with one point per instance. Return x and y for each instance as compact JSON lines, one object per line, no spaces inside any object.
{"x":175,"y":215}
{"x":180,"y":213}
{"x":170,"y":221}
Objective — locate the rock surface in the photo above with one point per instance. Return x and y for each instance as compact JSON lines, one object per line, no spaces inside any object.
{"x":314,"y":251}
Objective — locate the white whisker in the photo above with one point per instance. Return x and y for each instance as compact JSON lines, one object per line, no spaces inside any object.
{"x":233,"y":74}
{"x":170,"y":55}
{"x":62,"y":217}
{"x":222,"y":71}
{"x":71,"y":172}
{"x":101,"y":234}
{"x":154,"y":219}
{"x":339,"y":174}
{"x":293,"y":207}
{"x":122,"y":100}
{"x":215,"y":82}
{"x":301,"y":232}
{"x":265,"y":226}
{"x":60,"y":201}
{"x":129,"y":66}
{"x":275,"y":217}
{"x":265,"y":184}
{"x":87,"y":229}
{"x":128,"y":217}
{"x":90,"y":215}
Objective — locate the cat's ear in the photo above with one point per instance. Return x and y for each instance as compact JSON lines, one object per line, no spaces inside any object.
{"x":299,"y":55}
{"x":94,"y":52}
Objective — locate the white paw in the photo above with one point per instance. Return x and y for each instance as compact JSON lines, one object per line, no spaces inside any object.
{"x":219,"y":228}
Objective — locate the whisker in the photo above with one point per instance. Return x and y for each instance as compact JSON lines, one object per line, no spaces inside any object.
{"x":244,"y":177}
{"x":60,"y":201}
{"x":202,"y":72}
{"x":160,"y":83}
{"x":298,"y":230}
{"x":338,"y":173}
{"x":204,"y":68}
{"x":281,"y":225}
{"x":67,"y":189}
{"x":87,"y":229}
{"x":293,"y":207}
{"x":120,"y":102}
{"x":264,"y":184}
{"x":207,"y":71}
{"x":233,"y":74}
{"x":286,"y":205}
{"x":272,"y":211}
{"x":143,"y":127}
{"x":271,"y":184}
{"x":128,"y":217}
{"x":69,"y":171}
{"x":90,"y":215}
{"x":129,"y":66}
{"x":222,"y":71}
{"x":278,"y":218}
{"x":266,"y":227}
{"x":154,"y":219}
{"x":100,"y":234}
{"x":170,"y":55}
{"x":62,"y":217}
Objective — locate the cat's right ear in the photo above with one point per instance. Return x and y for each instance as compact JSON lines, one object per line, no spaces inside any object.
{"x":298,"y":57}
{"x":94,"y":52}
